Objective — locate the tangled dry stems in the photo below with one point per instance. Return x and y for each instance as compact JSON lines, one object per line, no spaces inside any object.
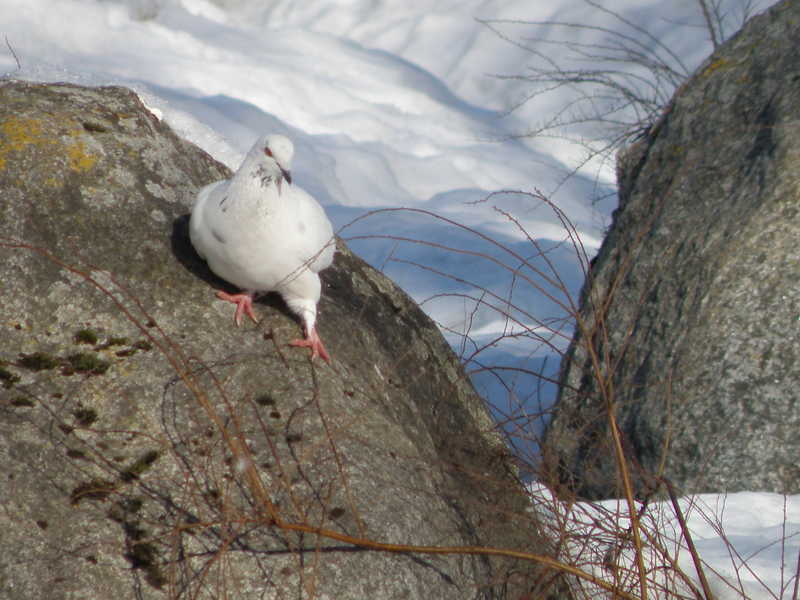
{"x":622,"y":553}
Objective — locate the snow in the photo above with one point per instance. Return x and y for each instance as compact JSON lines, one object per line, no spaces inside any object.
{"x":749,"y":542}
{"x":409,"y":105}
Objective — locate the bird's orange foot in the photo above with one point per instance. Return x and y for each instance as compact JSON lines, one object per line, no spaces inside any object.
{"x":313,"y":341}
{"x":244,"y":305}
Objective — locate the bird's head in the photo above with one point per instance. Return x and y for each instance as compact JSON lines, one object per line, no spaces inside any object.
{"x":280,"y":149}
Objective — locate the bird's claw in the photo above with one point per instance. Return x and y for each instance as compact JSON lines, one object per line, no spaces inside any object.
{"x":313,"y":341}
{"x":244,"y":305}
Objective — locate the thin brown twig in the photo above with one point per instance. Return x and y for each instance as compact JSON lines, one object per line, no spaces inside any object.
{"x":14,"y":54}
{"x":628,"y":490}
{"x":456,"y":550}
{"x":232,"y":436}
{"x":687,"y":535}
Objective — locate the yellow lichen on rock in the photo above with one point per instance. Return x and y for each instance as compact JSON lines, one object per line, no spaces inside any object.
{"x":79,"y":159}
{"x":716,"y":65}
{"x":18,"y":133}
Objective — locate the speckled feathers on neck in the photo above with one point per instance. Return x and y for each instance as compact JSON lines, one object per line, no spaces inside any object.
{"x":268,"y":161}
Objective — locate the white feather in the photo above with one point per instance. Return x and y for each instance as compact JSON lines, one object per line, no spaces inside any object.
{"x":260,"y":233}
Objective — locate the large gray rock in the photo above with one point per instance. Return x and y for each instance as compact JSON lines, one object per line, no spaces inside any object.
{"x":150,"y":449}
{"x":692,"y":304}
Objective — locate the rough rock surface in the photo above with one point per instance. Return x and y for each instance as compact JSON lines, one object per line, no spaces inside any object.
{"x":693,"y":299}
{"x":149,"y":448}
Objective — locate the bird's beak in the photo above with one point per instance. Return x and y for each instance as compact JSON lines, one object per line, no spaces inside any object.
{"x":286,"y":175}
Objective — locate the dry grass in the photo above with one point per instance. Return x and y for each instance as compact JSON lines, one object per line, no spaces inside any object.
{"x":219,"y":500}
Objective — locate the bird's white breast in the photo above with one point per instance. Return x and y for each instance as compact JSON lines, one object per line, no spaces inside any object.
{"x":258,"y":238}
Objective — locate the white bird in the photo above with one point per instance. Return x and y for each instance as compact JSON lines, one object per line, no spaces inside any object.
{"x":259,"y":232}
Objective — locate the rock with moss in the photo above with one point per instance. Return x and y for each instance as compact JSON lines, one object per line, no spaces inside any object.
{"x":691,"y":304}
{"x":150,"y":449}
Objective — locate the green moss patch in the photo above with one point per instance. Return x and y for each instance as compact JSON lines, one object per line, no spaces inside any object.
{"x":7,"y":378}
{"x":38,"y":361}
{"x":142,"y":464}
{"x":22,"y":402}
{"x":86,"y":362}
{"x":82,"y":362}
{"x":85,"y":336}
{"x":144,"y":556}
{"x":265,"y":400}
{"x":143,"y":345}
{"x":140,"y":553}
{"x":85,"y":416}
{"x":113,"y":341}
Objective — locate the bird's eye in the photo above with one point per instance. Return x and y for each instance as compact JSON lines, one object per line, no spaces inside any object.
{"x":268,"y":152}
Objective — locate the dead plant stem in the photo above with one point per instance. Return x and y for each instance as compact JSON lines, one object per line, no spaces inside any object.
{"x":698,"y":564}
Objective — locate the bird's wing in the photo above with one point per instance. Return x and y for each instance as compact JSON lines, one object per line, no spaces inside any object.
{"x":314,"y":242}
{"x":204,"y":214}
